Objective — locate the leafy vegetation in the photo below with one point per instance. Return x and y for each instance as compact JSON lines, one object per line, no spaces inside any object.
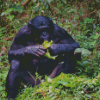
{"x":81,"y":19}
{"x":65,"y":86}
{"x":47,"y":44}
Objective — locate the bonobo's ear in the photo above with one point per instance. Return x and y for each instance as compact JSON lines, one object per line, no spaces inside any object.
{"x":29,"y":23}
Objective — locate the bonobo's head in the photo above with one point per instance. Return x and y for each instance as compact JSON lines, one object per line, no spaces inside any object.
{"x":42,"y":28}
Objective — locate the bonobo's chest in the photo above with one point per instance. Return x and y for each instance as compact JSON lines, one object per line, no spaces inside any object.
{"x":42,"y":61}
{"x":30,"y":43}
{"x":43,"y":65}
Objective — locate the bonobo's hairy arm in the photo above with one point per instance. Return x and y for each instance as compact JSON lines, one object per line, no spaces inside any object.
{"x":20,"y":47}
{"x":67,"y":43}
{"x":36,"y":50}
{"x":63,"y":48}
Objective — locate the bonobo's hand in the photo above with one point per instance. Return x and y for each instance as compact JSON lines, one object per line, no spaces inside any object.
{"x":54,"y":49}
{"x":37,"y":50}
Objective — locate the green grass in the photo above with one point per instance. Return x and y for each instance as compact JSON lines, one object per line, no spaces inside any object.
{"x":82,"y":21}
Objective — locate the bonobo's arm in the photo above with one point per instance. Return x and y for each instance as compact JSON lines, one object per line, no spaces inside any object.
{"x":36,"y":50}
{"x":17,"y":48}
{"x":67,"y":43}
{"x":63,"y":48}
{"x":20,"y":47}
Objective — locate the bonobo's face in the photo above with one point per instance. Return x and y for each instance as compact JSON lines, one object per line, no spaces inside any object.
{"x":43,"y":27}
{"x":44,"y":34}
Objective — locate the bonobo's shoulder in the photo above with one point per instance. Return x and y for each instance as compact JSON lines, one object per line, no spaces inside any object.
{"x":60,"y":30}
{"x":57,"y":27}
{"x":22,"y":35}
{"x":23,"y":30}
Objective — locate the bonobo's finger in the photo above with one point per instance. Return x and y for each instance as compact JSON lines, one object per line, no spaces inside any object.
{"x":41,"y":47}
{"x":42,"y":51}
{"x":37,"y":55}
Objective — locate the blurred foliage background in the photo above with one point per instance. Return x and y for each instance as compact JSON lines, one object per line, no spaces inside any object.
{"x":81,"y":19}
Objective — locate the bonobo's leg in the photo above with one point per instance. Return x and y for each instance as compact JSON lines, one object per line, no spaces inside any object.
{"x":69,"y":63}
{"x":29,"y":78}
{"x":57,"y":70}
{"x":12,"y":81}
{"x":17,"y":74}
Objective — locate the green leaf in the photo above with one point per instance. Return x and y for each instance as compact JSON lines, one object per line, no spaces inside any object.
{"x":85,"y":62}
{"x":1,"y":88}
{"x":12,"y":8}
{"x":16,"y":8}
{"x":96,"y":36}
{"x":83,"y":51}
{"x":93,"y":43}
{"x":88,"y":20}
{"x":63,"y":83}
{"x":6,"y":12}
{"x":72,"y":11}
{"x":49,"y":1}
{"x":46,"y":45}
{"x":3,"y":28}
{"x":49,"y":56}
{"x":10,"y":17}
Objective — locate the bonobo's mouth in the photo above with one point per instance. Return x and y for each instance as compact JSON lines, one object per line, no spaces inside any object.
{"x":40,"y":41}
{"x":43,"y":27}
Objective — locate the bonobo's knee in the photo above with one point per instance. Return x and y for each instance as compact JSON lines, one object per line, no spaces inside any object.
{"x":15,"y":65}
{"x":78,"y":56}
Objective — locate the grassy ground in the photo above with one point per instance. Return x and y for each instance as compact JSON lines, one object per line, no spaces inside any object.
{"x":81,"y":19}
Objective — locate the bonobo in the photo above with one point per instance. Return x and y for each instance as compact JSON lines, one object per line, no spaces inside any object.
{"x":26,"y":54}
